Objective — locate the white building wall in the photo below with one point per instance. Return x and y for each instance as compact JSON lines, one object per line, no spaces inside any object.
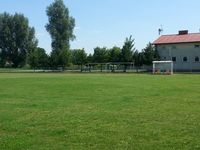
{"x":167,"y":51}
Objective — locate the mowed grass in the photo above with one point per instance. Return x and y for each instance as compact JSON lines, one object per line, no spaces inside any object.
{"x":99,"y":111}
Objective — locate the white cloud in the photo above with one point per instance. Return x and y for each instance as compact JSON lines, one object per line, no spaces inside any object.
{"x":77,"y":28}
{"x":96,"y":31}
{"x":41,"y":34}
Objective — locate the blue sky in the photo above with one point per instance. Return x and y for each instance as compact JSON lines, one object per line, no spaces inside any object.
{"x":109,"y":22}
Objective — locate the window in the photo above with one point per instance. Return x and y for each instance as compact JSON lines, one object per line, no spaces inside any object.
{"x":196,"y":59}
{"x":174,"y":59}
{"x":185,"y":59}
{"x":196,"y":46}
{"x":174,"y":47}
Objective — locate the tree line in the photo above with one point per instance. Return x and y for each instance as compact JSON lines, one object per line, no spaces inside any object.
{"x":19,"y":46}
{"x":79,"y":57}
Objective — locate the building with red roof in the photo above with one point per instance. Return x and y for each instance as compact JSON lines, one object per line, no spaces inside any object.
{"x":182,"y":48}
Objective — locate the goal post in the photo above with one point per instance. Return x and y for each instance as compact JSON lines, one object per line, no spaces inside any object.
{"x":163,"y":67}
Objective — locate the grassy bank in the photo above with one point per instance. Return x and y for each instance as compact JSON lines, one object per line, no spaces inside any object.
{"x":99,"y":111}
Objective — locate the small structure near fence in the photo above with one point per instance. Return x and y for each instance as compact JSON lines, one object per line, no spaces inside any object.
{"x":110,"y":66}
{"x":163,"y":67}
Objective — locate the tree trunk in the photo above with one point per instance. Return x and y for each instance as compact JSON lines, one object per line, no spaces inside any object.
{"x":63,"y":68}
{"x":125,"y":67}
{"x":81,"y":68}
{"x":113,"y":69}
{"x":89,"y":68}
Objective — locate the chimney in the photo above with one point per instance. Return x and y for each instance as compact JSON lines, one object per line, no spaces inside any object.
{"x":183,"y":32}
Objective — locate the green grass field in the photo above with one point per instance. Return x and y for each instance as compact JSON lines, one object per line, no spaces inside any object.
{"x":99,"y":111}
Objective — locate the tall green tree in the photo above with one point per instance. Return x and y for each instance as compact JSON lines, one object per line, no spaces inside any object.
{"x":38,"y":58}
{"x":60,"y":27}
{"x":79,"y":57}
{"x":89,"y":58}
{"x":100,"y":55}
{"x":114,"y":54}
{"x":17,"y":39}
{"x":127,"y":51}
{"x":150,"y":54}
{"x":5,"y":37}
{"x":138,"y":58}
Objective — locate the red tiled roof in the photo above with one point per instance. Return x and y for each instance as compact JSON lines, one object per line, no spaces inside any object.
{"x":176,"y":38}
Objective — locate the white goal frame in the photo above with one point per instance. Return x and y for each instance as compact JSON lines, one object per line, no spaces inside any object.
{"x":167,"y":67}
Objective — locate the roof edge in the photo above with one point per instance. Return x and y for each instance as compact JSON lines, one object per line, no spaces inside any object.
{"x":179,"y":34}
{"x":154,"y":43}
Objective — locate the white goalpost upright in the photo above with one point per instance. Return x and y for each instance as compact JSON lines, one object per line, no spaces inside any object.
{"x":163,"y":67}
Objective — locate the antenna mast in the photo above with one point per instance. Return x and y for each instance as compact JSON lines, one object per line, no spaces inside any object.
{"x":160,"y":30}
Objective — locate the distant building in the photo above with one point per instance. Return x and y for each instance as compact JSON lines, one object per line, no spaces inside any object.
{"x":182,"y":48}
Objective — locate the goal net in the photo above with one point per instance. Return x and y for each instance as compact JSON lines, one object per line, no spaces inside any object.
{"x":163,"y":67}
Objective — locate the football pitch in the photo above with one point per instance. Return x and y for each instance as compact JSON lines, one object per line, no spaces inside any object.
{"x":99,"y":111}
